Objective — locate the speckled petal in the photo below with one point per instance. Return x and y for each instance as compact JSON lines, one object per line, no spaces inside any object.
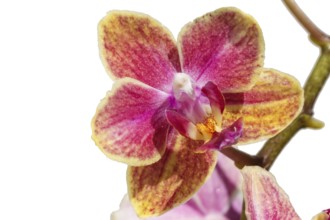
{"x":270,"y":106}
{"x":171,"y":181}
{"x":130,"y":125}
{"x":224,"y":46}
{"x":264,"y":198}
{"x":137,"y":46}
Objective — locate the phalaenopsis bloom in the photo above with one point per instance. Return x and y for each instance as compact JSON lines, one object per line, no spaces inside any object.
{"x":175,"y":104}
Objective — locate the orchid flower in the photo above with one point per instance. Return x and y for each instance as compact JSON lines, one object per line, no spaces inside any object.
{"x":218,"y":199}
{"x":173,"y":105}
{"x":265,"y":199}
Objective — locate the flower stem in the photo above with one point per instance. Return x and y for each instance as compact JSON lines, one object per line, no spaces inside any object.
{"x":241,"y":158}
{"x":316,"y":34}
{"x":313,"y":86}
{"x":312,"y":89}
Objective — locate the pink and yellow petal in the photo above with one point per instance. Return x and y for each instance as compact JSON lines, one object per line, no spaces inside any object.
{"x":159,"y":187}
{"x":271,"y":105}
{"x":129,"y":125}
{"x":137,"y":46}
{"x":225,"y":46}
{"x":264,"y":198}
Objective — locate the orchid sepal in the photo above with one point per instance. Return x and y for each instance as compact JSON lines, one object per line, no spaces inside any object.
{"x":270,"y":106}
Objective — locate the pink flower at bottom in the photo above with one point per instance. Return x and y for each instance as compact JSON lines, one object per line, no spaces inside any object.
{"x":266,"y":200}
{"x":218,"y":199}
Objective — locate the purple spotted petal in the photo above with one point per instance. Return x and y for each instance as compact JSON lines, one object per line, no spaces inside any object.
{"x":226,"y":138}
{"x":224,"y":46}
{"x":137,"y":46}
{"x":129,"y":124}
{"x":264,"y":198}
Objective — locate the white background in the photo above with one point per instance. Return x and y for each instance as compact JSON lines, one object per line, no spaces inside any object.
{"x":51,"y":80}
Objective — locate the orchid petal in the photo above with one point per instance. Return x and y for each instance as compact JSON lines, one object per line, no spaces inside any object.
{"x":226,"y":138}
{"x":130,"y":125}
{"x":137,"y":46}
{"x":225,"y":46}
{"x":263,"y":197}
{"x":159,"y":187}
{"x":271,"y":105}
{"x":183,"y":125}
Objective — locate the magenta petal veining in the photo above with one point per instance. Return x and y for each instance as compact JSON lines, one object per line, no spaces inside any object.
{"x":264,"y":198}
{"x":137,"y":46}
{"x":225,"y":46}
{"x":131,"y":107}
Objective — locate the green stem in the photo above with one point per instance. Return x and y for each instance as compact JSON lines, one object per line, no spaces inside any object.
{"x":316,"y":80}
{"x":313,"y":86}
{"x":312,"y":89}
{"x":241,"y":158}
{"x":315,"y":32}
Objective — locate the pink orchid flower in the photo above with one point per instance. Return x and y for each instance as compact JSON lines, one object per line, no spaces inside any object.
{"x":173,"y":104}
{"x":218,"y":199}
{"x":265,"y":199}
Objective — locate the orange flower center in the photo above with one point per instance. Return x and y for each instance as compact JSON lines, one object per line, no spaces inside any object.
{"x":208,"y":127}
